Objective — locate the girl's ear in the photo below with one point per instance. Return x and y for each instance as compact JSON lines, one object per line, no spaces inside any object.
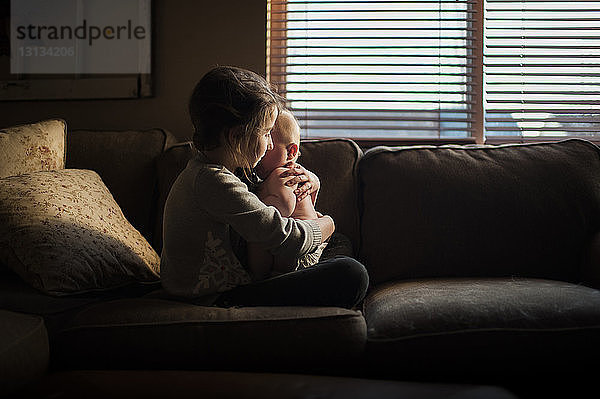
{"x":292,"y":150}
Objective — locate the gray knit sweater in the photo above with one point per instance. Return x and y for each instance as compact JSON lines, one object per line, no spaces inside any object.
{"x":204,"y":203}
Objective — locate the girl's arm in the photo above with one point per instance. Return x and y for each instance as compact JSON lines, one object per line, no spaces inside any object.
{"x":327,"y":226}
{"x":262,"y":264}
{"x":228,"y":200}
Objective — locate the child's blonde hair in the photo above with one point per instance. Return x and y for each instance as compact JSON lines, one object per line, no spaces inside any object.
{"x":229,"y":106}
{"x":283,"y":129}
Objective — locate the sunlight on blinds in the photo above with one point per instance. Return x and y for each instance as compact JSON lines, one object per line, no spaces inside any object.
{"x":542,"y":68}
{"x":375,"y":68}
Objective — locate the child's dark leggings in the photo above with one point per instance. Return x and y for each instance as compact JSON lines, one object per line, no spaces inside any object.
{"x":340,"y":281}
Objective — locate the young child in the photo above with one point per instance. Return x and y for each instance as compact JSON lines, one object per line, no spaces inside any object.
{"x":233,"y":111}
{"x":284,"y":154}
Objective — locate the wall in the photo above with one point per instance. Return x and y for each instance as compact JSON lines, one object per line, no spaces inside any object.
{"x":190,"y":36}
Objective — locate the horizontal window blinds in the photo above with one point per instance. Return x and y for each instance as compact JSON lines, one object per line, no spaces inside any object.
{"x":542,"y":68}
{"x":375,"y":68}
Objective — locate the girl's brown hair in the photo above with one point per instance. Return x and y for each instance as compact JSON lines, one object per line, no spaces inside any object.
{"x":229,"y":106}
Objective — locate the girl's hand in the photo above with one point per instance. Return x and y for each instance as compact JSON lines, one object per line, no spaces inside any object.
{"x":297,"y":175}
{"x":273,"y":183}
{"x":309,"y":183}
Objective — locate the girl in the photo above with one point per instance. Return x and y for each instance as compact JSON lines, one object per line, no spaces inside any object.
{"x":233,"y":111}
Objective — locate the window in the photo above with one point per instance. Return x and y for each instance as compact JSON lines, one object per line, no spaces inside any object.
{"x":542,"y":68}
{"x":418,"y":69}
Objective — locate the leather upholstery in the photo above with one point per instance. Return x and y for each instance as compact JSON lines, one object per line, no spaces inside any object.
{"x":18,"y":296}
{"x":335,"y":161}
{"x":510,"y":325}
{"x":407,"y":309}
{"x":451,"y":211}
{"x":133,"y":384}
{"x":155,"y":333}
{"x":464,"y":246}
{"x":23,"y":350}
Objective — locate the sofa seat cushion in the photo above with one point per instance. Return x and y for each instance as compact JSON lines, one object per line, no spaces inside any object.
{"x":156,"y":333}
{"x":483,"y":323}
{"x":18,"y":296}
{"x":23,"y":350}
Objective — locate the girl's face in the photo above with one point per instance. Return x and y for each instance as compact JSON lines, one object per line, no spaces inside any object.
{"x":265,"y":142}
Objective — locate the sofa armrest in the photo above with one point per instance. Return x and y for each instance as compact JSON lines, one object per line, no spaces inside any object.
{"x":24,"y":350}
{"x":590,"y":270}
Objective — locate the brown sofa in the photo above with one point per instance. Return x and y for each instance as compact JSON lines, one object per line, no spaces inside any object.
{"x":484,"y":265}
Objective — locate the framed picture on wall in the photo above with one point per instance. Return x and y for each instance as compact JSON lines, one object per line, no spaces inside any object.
{"x":75,"y":49}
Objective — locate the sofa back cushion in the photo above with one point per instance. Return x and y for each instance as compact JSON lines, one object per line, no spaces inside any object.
{"x":32,"y":147}
{"x":334,"y":161}
{"x":514,"y":210}
{"x":126,"y":162}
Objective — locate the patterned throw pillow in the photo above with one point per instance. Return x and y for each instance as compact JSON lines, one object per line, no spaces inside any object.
{"x":32,"y":148}
{"x":63,"y":233}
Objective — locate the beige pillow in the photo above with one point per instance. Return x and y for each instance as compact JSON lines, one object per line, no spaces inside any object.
{"x":63,"y":233}
{"x":32,"y":148}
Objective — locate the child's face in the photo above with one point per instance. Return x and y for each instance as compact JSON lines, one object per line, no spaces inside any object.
{"x":279,"y":155}
{"x":265,"y":142}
